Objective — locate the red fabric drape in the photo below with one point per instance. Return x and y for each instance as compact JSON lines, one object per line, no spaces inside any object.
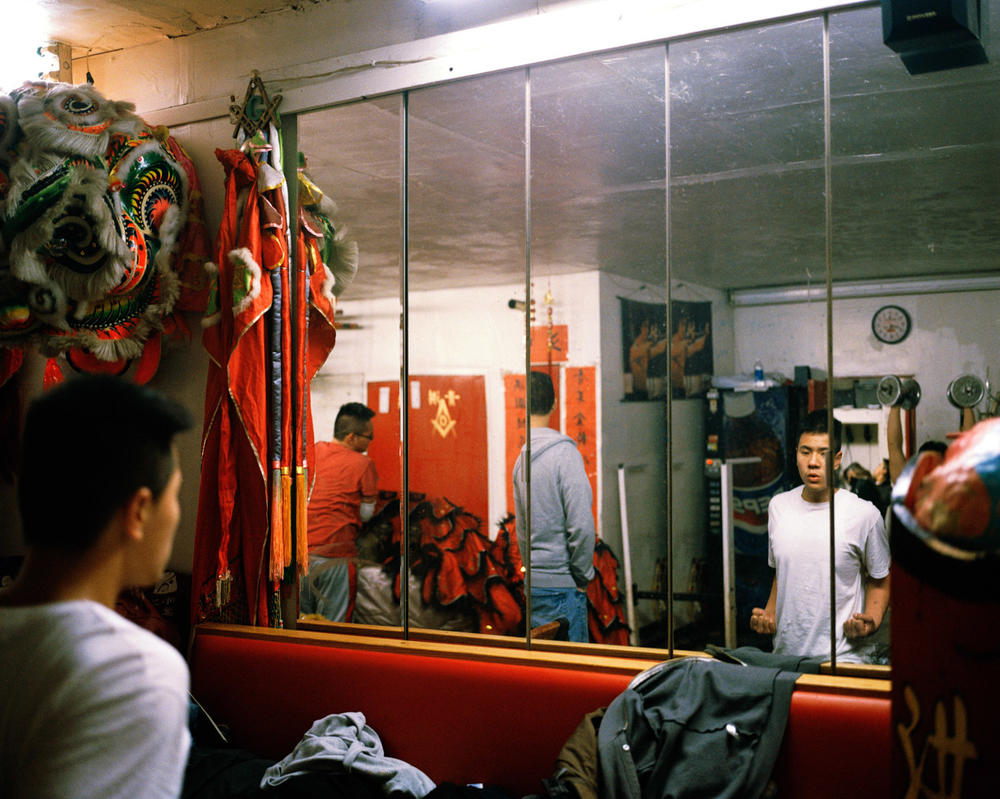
{"x":230,"y":565}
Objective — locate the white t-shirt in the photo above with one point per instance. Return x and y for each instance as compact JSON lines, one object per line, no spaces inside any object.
{"x":799,"y":548}
{"x":91,"y":705}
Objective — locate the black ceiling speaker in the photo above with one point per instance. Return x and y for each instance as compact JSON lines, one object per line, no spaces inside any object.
{"x":930,"y":35}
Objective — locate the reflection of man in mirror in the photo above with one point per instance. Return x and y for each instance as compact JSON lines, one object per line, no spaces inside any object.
{"x":894,"y":439}
{"x":645,"y":346}
{"x":858,"y":480}
{"x":93,"y":705}
{"x":562,"y":523}
{"x":685,"y":342}
{"x":342,"y":499}
{"x":798,"y":527}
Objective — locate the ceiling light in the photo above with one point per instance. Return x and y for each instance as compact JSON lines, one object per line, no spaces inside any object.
{"x":21,"y":57}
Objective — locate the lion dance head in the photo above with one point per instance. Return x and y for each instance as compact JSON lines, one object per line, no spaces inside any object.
{"x":95,"y":206}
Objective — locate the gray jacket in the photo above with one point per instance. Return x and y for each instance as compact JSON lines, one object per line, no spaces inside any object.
{"x":562,"y":518}
{"x":343,"y":742}
{"x":694,"y":727}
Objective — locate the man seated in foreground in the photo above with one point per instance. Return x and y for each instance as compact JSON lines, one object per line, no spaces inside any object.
{"x":92,"y":705}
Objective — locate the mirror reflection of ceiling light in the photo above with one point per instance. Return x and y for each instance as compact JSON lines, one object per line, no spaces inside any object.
{"x":863,"y":288}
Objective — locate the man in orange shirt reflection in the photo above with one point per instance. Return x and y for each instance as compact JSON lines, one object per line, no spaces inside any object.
{"x":342,"y":499}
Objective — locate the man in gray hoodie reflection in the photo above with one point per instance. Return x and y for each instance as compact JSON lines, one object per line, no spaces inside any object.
{"x":562,"y":522}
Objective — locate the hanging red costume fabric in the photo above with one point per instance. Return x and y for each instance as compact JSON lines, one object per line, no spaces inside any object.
{"x":459,"y":566}
{"x":230,"y":559}
{"x":605,"y":610}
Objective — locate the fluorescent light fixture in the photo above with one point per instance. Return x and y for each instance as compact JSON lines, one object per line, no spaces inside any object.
{"x":863,"y":288}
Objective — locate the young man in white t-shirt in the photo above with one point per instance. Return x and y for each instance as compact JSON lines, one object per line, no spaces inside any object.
{"x":798,"y":609}
{"x":92,"y":705}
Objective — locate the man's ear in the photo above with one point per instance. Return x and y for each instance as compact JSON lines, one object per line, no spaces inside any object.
{"x":136,"y":512}
{"x":836,"y":459}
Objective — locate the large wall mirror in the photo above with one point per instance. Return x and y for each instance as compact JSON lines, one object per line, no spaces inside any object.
{"x":465,"y":176}
{"x":353,"y":155}
{"x":651,"y":226}
{"x":746,"y":210}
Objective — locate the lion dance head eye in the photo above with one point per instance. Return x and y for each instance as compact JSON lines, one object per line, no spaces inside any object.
{"x":79,"y":105}
{"x":43,"y":300}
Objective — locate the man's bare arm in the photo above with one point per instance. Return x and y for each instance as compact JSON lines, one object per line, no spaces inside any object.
{"x":762,"y":619}
{"x":894,"y":442}
{"x":876,"y":603}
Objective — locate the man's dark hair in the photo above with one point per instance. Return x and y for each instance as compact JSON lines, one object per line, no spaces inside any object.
{"x":88,"y":445}
{"x":351,"y":418}
{"x":933,"y":446}
{"x":857,"y":471}
{"x":815,"y":422}
{"x":543,"y":395}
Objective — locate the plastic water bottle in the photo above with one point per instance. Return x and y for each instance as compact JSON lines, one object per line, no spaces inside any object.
{"x":758,"y":372}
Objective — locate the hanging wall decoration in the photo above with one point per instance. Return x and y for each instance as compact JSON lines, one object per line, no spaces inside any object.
{"x":266,"y":334}
{"x":98,"y":222}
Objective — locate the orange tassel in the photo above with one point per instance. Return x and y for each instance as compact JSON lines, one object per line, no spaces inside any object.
{"x":53,"y":374}
{"x":277,"y":536}
{"x":301,"y":521}
{"x":286,"y":521}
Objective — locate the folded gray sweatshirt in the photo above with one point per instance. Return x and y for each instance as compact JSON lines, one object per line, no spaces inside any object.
{"x":341,"y":743}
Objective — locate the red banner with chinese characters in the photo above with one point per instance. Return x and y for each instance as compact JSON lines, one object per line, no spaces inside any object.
{"x":546,"y":342}
{"x":516,"y":426}
{"x":581,"y":418}
{"x":516,"y":420}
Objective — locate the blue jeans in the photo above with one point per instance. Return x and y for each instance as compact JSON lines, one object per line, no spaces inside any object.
{"x":549,"y":604}
{"x":326,"y":589}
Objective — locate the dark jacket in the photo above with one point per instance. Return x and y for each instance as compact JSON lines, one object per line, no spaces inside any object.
{"x":694,"y":727}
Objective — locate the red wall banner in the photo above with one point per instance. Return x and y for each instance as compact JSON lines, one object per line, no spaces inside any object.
{"x":546,"y":342}
{"x":516,"y":425}
{"x":384,"y":449}
{"x":448,"y":456}
{"x":581,"y":418}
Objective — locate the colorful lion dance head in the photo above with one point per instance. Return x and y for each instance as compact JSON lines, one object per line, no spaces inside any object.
{"x":94,"y":204}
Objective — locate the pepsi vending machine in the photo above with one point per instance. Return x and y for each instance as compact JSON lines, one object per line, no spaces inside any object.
{"x":754,"y":431}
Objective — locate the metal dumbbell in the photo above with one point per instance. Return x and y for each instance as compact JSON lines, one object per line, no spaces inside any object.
{"x":966,"y":391}
{"x":893,"y":391}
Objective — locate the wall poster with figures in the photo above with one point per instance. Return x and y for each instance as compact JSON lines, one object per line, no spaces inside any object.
{"x":691,"y":363}
{"x":648,"y":350}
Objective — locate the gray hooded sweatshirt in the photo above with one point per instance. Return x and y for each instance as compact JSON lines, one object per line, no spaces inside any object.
{"x":562,"y":519}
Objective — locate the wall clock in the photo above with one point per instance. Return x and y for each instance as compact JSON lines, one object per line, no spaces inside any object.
{"x":891,"y":324}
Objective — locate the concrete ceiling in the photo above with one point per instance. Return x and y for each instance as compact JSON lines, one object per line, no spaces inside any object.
{"x":105,"y":25}
{"x":915,"y":158}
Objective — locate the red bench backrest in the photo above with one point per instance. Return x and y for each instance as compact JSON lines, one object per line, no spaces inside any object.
{"x":493,"y":722}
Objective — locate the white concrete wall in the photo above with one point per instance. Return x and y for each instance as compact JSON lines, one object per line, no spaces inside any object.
{"x":634,"y":434}
{"x":953,"y":334}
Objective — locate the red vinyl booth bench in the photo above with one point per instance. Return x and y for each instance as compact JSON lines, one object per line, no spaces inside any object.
{"x":497,"y":716}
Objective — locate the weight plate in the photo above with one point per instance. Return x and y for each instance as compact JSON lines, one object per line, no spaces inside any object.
{"x":966,"y":391}
{"x":911,"y":395}
{"x":888,"y":390}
